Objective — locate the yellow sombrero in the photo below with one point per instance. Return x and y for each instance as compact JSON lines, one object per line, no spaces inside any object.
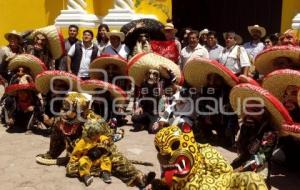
{"x":55,"y":39}
{"x":14,"y":88}
{"x":103,"y":61}
{"x":240,"y":93}
{"x":197,"y":69}
{"x":44,"y":79}
{"x":89,"y":86}
{"x":34,"y":64}
{"x":264,"y":60}
{"x":277,"y":81}
{"x":140,"y":64}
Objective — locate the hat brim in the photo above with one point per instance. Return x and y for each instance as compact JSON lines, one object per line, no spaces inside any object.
{"x":240,"y":93}
{"x":197,"y":69}
{"x":89,"y":87}
{"x":277,"y":81}
{"x":8,"y":35}
{"x":174,"y":30}
{"x":103,"y":61}
{"x":121,"y":35}
{"x":261,"y":29}
{"x":14,"y":88}
{"x":44,"y":79}
{"x":35,"y":65}
{"x":55,"y":39}
{"x":264,"y":61}
{"x":140,"y":64}
{"x":246,"y":79}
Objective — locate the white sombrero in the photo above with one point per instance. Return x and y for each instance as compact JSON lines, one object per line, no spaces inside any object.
{"x":277,"y":81}
{"x":121,"y":35}
{"x":103,"y":61}
{"x":14,"y":88}
{"x":259,"y":28}
{"x":44,"y":79}
{"x":264,"y":60}
{"x":13,"y":33}
{"x":89,"y":86}
{"x":34,"y":64}
{"x":55,"y":39}
{"x":197,"y":69}
{"x":140,"y":64}
{"x":242,"y":92}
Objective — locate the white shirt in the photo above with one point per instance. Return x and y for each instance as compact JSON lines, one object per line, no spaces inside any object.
{"x":122,"y":50}
{"x":254,"y":49}
{"x":85,"y":59}
{"x":235,"y":58}
{"x":188,"y":52}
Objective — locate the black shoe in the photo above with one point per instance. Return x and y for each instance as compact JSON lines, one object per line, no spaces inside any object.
{"x":106,"y":177}
{"x":87,"y":179}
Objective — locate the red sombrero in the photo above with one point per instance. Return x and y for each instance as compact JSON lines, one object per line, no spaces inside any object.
{"x":89,"y":86}
{"x":277,"y":81}
{"x":140,"y":64}
{"x":264,"y":61}
{"x":55,"y":39}
{"x":240,"y":93}
{"x":197,"y":69}
{"x":103,"y":61}
{"x":44,"y":79}
{"x":14,"y":88}
{"x":34,"y":64}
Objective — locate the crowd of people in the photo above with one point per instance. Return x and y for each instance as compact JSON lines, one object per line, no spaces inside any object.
{"x":244,"y":97}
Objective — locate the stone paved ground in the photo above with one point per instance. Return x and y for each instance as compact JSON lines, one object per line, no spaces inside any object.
{"x":20,"y":172}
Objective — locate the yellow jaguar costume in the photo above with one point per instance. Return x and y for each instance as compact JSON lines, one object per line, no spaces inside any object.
{"x":188,"y":165}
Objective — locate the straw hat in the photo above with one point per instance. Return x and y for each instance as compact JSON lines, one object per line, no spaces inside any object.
{"x":55,"y":39}
{"x":13,"y":33}
{"x":264,"y":60}
{"x":204,"y":31}
{"x":89,"y":86}
{"x":240,"y":93}
{"x":197,"y":69}
{"x":103,"y":61}
{"x":246,"y":79}
{"x":121,"y":35}
{"x":44,"y":79}
{"x":140,"y":64}
{"x":259,"y":28}
{"x":14,"y":88}
{"x":277,"y":81}
{"x":169,"y":26}
{"x":238,"y":38}
{"x":34,"y":64}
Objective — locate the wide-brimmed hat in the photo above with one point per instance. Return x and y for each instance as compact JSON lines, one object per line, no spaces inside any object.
{"x":44,"y":79}
{"x":103,"y":61}
{"x":243,"y":92}
{"x":259,"y":28}
{"x":121,"y":35}
{"x":197,"y":69}
{"x":170,"y":26}
{"x":55,"y":39}
{"x":140,"y":64}
{"x":89,"y":86}
{"x":264,"y":61}
{"x":238,"y":38}
{"x":277,"y":81}
{"x":14,"y":88}
{"x":204,"y":31}
{"x":34,"y":64}
{"x":13,"y":33}
{"x":246,"y":79}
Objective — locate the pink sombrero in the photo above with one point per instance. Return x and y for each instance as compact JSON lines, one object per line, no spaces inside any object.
{"x":264,"y":60}
{"x":89,"y":86}
{"x":197,"y":69}
{"x":14,"y":88}
{"x":240,"y":93}
{"x":55,"y":38}
{"x":140,"y":64}
{"x":277,"y":81}
{"x":34,"y":64}
{"x":103,"y":61}
{"x":44,"y":79}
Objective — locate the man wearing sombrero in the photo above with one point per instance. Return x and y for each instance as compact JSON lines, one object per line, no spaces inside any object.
{"x":289,"y":37}
{"x":255,"y":46}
